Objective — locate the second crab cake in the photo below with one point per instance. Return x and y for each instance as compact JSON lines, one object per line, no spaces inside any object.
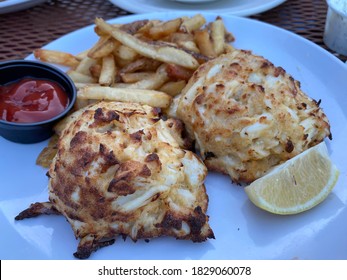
{"x":120,"y":170}
{"x":247,"y":115}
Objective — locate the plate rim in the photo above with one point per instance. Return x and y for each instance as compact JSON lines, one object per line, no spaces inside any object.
{"x":246,"y":12}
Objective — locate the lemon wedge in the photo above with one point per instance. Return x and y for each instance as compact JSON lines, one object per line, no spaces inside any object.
{"x":297,"y":184}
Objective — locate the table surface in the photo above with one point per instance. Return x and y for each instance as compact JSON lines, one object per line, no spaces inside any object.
{"x":23,"y":31}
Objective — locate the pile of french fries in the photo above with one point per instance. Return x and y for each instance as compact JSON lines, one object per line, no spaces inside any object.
{"x":145,"y":61}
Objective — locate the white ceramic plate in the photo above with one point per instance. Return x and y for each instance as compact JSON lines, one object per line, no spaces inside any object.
{"x":9,"y":6}
{"x":232,"y":7}
{"x":242,"y":231}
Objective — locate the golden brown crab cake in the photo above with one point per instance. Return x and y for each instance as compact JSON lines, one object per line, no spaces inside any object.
{"x":248,"y":115}
{"x":120,"y":170}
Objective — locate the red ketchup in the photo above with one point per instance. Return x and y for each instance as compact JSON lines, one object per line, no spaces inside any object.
{"x":31,"y":100}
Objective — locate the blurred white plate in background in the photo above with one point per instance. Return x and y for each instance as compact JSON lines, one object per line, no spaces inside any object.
{"x":9,"y":6}
{"x":232,"y":7}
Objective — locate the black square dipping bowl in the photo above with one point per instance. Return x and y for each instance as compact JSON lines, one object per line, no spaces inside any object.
{"x":32,"y":132}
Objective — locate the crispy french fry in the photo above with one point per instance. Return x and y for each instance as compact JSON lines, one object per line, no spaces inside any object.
{"x":184,"y":40}
{"x":203,"y":41}
{"x":122,"y":62}
{"x":57,"y":57}
{"x":175,"y":72}
{"x":79,"y":77}
{"x":85,"y":64}
{"x":103,"y":47}
{"x":95,"y":71}
{"x":173,"y":88}
{"x":135,"y":77}
{"x":218,"y":36}
{"x":82,"y":54}
{"x":153,"y":81}
{"x":121,"y":85}
{"x":189,"y":45}
{"x":177,"y":37}
{"x":149,"y":97}
{"x":141,"y":64}
{"x":81,"y":85}
{"x":135,"y":26}
{"x":228,"y":48}
{"x":125,"y":53}
{"x":200,"y":57}
{"x":162,"y":53}
{"x":165,"y":28}
{"x":100,"y":33}
{"x":191,"y":24}
{"x":108,"y":71}
{"x":48,"y":153}
{"x":229,"y":37}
